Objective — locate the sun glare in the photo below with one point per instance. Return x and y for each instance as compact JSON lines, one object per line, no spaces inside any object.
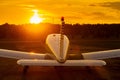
{"x":35,"y":19}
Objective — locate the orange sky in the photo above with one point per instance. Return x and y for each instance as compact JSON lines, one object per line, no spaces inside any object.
{"x":74,"y":11}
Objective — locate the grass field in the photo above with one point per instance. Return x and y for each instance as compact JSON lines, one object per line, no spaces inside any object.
{"x":9,"y":70}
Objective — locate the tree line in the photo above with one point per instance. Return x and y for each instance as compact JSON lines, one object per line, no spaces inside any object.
{"x":84,"y":31}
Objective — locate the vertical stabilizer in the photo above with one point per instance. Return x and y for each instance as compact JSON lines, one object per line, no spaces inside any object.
{"x":58,"y":43}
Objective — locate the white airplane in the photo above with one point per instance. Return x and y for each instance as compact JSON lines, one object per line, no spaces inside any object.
{"x":58,"y":44}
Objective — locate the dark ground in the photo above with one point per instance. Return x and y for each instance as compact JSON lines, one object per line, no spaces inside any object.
{"x":9,"y":70}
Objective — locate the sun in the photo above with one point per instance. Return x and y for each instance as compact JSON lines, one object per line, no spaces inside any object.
{"x":35,"y":19}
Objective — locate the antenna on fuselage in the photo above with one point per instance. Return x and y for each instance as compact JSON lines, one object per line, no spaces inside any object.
{"x":62,"y":26}
{"x":62,"y":38}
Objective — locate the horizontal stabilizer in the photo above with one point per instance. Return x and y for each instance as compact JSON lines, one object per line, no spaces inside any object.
{"x":20,"y":54}
{"x":55,"y":63}
{"x":102,"y":54}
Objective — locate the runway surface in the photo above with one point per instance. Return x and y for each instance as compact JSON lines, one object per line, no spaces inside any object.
{"x":12,"y":71}
{"x":9,"y":70}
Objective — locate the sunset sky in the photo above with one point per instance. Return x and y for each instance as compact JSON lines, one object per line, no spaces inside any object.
{"x":74,"y":11}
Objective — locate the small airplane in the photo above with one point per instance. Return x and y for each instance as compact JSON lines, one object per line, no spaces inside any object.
{"x":58,"y":44}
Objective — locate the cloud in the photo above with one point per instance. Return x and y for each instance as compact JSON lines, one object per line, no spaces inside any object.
{"x":113,"y":5}
{"x":26,"y":6}
{"x":102,"y":16}
{"x":98,"y":13}
{"x":92,"y":5}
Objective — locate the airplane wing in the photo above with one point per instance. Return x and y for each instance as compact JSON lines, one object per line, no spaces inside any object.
{"x":102,"y":54}
{"x":37,"y":62}
{"x":21,"y":55}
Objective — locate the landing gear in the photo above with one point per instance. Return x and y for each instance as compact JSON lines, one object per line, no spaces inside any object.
{"x":25,"y":69}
